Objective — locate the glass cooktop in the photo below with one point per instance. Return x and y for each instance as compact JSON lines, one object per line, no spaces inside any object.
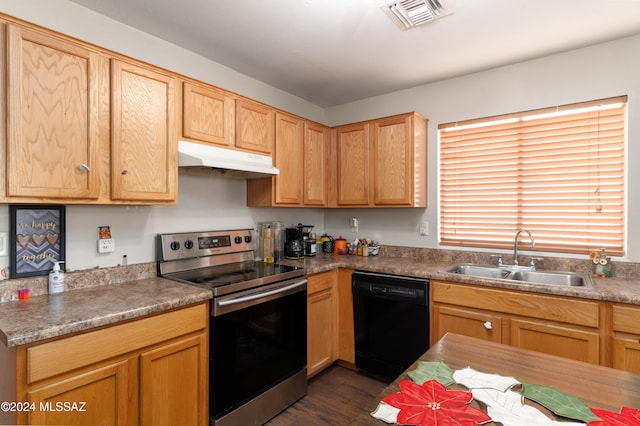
{"x":246,"y":273}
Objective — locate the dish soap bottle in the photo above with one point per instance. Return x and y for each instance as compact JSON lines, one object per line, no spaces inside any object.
{"x":56,"y":278}
{"x":267,"y":245}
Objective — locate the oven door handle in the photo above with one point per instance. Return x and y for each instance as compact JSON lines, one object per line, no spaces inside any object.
{"x":226,"y":305}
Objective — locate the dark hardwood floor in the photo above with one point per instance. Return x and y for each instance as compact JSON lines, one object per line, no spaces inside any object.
{"x":334,"y":397}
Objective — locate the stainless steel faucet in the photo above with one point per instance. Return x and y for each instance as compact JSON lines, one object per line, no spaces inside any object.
{"x":515,"y":244}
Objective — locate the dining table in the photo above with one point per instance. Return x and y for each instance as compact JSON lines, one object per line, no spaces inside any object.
{"x":597,"y":386}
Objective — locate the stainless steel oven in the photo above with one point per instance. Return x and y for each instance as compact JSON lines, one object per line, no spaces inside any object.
{"x":258,"y":333}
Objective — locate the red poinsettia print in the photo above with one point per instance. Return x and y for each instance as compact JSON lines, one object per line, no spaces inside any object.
{"x":626,"y":417}
{"x":433,"y":404}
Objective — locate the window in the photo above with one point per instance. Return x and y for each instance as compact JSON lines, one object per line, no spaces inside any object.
{"x":558,"y":172}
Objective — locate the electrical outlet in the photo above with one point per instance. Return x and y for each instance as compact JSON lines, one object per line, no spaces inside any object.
{"x":424,"y":228}
{"x":106,"y":245}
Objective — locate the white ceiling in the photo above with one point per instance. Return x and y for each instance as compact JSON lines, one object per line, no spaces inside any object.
{"x":331,"y":52}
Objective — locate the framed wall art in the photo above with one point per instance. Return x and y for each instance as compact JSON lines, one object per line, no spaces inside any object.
{"x":36,"y":239}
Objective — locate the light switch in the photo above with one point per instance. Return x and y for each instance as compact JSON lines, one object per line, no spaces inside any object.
{"x":424,"y":228}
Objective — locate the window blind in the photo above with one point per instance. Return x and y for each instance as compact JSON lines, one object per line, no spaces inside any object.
{"x":558,"y":172}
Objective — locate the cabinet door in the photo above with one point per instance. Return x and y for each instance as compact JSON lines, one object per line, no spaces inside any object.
{"x":321,"y":321}
{"x":319,"y":331}
{"x":52,"y":127}
{"x":105,"y":395}
{"x":316,"y":138}
{"x":393,"y":161}
{"x":174,"y":383}
{"x":208,"y":115}
{"x":468,"y":322}
{"x":556,"y":339}
{"x":254,"y":127}
{"x":626,"y":353}
{"x":288,"y":184}
{"x":353,"y":165}
{"x":626,"y":338}
{"x":144,"y":139}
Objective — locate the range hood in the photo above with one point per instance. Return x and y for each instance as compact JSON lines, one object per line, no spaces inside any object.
{"x":226,"y":162}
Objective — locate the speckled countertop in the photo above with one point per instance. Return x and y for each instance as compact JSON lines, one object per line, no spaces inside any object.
{"x":622,"y":290}
{"x":134,"y":292}
{"x":43,"y":317}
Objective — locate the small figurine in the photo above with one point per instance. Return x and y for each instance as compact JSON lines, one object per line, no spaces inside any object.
{"x":601,"y":265}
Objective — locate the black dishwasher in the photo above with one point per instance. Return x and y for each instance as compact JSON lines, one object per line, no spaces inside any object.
{"x":391,"y":322}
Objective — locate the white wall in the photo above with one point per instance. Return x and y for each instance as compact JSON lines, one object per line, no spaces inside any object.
{"x":600,"y":71}
{"x":206,"y":203}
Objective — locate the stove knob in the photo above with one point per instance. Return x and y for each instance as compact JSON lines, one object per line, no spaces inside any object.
{"x":247,"y":238}
{"x":237,"y":240}
{"x":175,"y":245}
{"x":188,"y":244}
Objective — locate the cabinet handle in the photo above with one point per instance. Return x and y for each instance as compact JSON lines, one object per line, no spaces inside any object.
{"x":84,"y":168}
{"x":124,"y":172}
{"x":488,"y":325}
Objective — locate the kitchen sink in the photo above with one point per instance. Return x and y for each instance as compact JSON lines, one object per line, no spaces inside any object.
{"x":515,"y":273}
{"x":484,"y":271}
{"x":570,"y":279}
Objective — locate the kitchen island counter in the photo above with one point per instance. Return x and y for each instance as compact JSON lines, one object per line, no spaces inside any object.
{"x":597,"y":386}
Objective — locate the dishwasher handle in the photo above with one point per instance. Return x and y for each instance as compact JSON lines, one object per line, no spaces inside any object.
{"x":392,"y":287}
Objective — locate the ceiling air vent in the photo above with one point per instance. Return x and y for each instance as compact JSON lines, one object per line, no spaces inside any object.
{"x":407,"y":14}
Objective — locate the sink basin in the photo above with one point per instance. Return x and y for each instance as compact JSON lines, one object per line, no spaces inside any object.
{"x":484,"y":271}
{"x":569,"y":279}
{"x":561,"y":278}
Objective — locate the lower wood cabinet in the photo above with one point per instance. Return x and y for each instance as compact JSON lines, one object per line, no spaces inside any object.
{"x":330,"y":335}
{"x":321,"y":321}
{"x":555,"y":325}
{"x":626,"y":338}
{"x":149,"y":371}
{"x":467,"y":321}
{"x":556,"y":339}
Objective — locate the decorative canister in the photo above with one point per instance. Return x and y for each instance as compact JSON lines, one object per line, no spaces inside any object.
{"x":340,"y":246}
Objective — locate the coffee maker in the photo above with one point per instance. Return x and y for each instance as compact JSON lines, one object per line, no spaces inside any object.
{"x":294,"y":245}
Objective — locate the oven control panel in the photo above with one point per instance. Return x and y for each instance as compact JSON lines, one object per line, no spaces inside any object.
{"x":197,"y":244}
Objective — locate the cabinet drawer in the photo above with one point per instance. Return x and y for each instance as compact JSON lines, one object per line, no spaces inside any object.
{"x":320,"y":282}
{"x":65,"y":354}
{"x":468,"y":322}
{"x":553,"y":308}
{"x":626,"y":319}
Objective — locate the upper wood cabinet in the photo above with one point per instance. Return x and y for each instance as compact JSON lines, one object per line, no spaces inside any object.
{"x":208,"y":114}
{"x":382,"y":163}
{"x":143,"y":133}
{"x":84,"y":126}
{"x":255,"y":124}
{"x":289,"y":159}
{"x":400,"y":161}
{"x":301,"y":149}
{"x":353,"y":165}
{"x":316,"y":139}
{"x":53,"y":97}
